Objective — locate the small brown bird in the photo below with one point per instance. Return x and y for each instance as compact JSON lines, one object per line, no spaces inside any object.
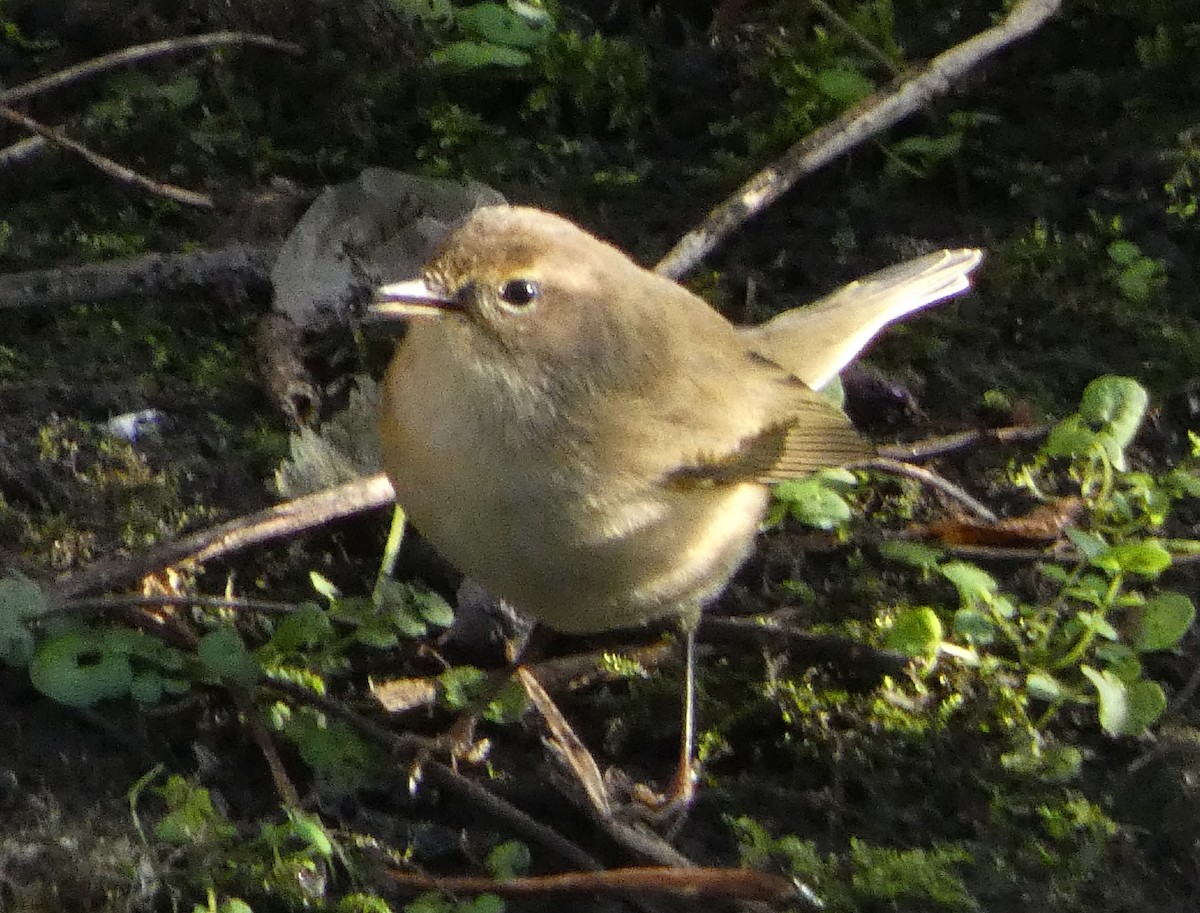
{"x":593,"y":442}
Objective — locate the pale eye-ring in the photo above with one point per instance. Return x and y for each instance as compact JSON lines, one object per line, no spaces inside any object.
{"x":519,"y":294}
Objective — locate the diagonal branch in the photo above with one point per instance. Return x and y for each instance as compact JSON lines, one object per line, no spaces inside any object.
{"x":868,"y":119}
{"x":106,"y":165}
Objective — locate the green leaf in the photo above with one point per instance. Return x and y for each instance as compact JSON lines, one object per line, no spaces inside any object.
{"x":1118,"y":403}
{"x":21,"y":601}
{"x":1139,"y":281}
{"x":496,"y":24}
{"x":1070,"y":438}
{"x":1147,"y":558}
{"x":1111,"y":694}
{"x":931,"y":149}
{"x":483,"y":903}
{"x":815,"y":500}
{"x":1162,"y":622}
{"x":74,"y":670}
{"x":1126,"y":709}
{"x":324,"y":586}
{"x":307,"y":626}
{"x":1088,"y":544}
{"x":380,"y":633}
{"x":432,"y":608}
{"x":1045,"y":687}
{"x":310,"y":831}
{"x":510,"y":859}
{"x":915,"y":632}
{"x":333,"y":750}
{"x":474,"y":55}
{"x":181,"y":92}
{"x":461,"y":685}
{"x":908,"y":552}
{"x":974,"y":585}
{"x":509,"y":704}
{"x":1146,"y":703}
{"x":224,"y":655}
{"x":1123,"y":252}
{"x":1120,"y":660}
{"x":427,"y":11}
{"x":191,"y":816}
{"x":975,"y":626}
{"x":1051,"y":764}
{"x":845,"y":86}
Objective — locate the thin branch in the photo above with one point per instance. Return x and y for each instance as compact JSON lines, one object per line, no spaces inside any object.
{"x":278,"y":522}
{"x":850,"y":657}
{"x":934,"y":481}
{"x":138,"y":53}
{"x":692,"y":884}
{"x":867,"y":120}
{"x":965,"y":440}
{"x":106,"y":165}
{"x":838,"y":22}
{"x":153,"y":274}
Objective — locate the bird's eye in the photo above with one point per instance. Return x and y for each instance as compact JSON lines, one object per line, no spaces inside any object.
{"x":519,"y":293}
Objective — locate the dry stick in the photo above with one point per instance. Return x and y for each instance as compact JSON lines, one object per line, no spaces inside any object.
{"x":686,"y":883}
{"x":934,"y":481}
{"x":863,"y":122}
{"x":106,"y":165}
{"x":138,"y":53}
{"x":278,"y":522}
{"x":248,"y":264}
{"x":20,"y":150}
{"x":952,"y":443}
{"x":853,"y":35}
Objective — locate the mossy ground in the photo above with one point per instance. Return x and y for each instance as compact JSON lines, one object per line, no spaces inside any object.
{"x":1078,"y":139}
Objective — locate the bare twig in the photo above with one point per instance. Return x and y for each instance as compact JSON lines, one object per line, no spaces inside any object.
{"x":277,"y":522}
{"x":693,"y":884}
{"x":27,"y":148}
{"x":838,"y":22}
{"x":106,"y":165}
{"x":136,"y":54}
{"x":934,"y":481}
{"x":22,"y":149}
{"x":863,"y":122}
{"x":156,"y":274}
{"x":940,"y":446}
{"x":847,"y":655}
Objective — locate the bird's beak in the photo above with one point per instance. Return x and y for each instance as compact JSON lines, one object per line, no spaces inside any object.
{"x":405,"y":300}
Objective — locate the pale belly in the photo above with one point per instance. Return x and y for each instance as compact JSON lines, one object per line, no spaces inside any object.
{"x":578,"y":555}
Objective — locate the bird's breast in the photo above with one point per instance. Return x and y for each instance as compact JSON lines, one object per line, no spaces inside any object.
{"x":581,"y":545}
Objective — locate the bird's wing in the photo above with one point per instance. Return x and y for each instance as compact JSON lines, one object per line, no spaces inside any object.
{"x":815,"y":342}
{"x":814,"y":435}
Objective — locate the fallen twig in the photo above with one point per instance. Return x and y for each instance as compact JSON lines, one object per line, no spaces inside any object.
{"x":136,"y":54}
{"x":686,"y":883}
{"x":106,"y":165}
{"x":27,"y":148}
{"x":152,"y":274}
{"x":934,"y":481}
{"x":952,"y":443}
{"x":277,"y":522}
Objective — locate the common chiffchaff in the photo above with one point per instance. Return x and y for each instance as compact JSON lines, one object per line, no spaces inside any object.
{"x":593,"y":442}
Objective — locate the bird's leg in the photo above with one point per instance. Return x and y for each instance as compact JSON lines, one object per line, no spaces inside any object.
{"x":669,"y":810}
